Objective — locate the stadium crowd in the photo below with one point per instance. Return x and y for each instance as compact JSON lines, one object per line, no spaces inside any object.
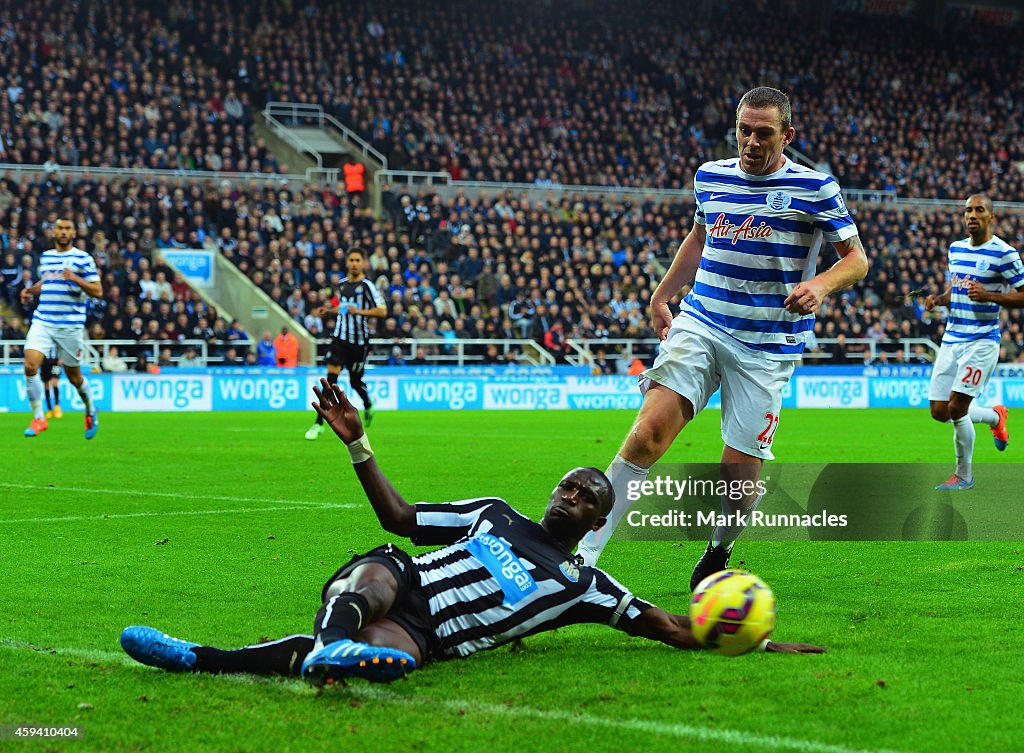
{"x":499,"y":267}
{"x":522,"y":92}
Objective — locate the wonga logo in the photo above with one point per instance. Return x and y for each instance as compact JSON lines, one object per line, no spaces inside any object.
{"x":497,"y":557}
{"x":163,"y":393}
{"x":823,"y":392}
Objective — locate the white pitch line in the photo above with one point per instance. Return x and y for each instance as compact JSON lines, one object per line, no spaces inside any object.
{"x":175,"y":513}
{"x":465,"y":706}
{"x":147,"y":493}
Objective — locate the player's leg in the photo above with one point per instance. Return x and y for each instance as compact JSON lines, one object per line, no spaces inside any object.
{"x":34,"y":389}
{"x":963,"y":441}
{"x":69,"y":344}
{"x":55,"y":387}
{"x":80,"y":383}
{"x":662,"y":416}
{"x":360,"y":594}
{"x":752,"y":389}
{"x":46,"y":369}
{"x":356,"y":365}
{"x":157,"y":649}
{"x":986,"y":357}
{"x":975,"y":363}
{"x":676,"y":389}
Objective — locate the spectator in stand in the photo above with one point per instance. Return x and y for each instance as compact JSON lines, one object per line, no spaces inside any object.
{"x":286,"y":349}
{"x":266,"y":351}
{"x":112,"y":361}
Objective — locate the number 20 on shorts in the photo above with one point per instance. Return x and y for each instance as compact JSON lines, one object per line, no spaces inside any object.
{"x":973,"y":376}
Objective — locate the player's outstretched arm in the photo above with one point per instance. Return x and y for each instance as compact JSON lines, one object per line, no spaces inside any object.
{"x":683,"y":269}
{"x":674,"y":629}
{"x":395,"y":514}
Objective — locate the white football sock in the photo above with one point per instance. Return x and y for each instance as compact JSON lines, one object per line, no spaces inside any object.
{"x":727,"y":535}
{"x":620,"y":473}
{"x":963,"y":445}
{"x":83,"y":390}
{"x":35,"y":389}
{"x":981,"y":415}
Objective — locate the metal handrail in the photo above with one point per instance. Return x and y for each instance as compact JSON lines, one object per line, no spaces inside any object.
{"x":174,"y":177}
{"x":412,"y":177}
{"x":454,"y":351}
{"x":97,"y":350}
{"x":301,"y":110}
{"x":293,"y":139}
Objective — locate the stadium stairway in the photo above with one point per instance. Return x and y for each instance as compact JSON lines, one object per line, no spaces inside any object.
{"x":236,"y":297}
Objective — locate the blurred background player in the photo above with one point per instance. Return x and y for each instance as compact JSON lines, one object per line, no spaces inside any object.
{"x":752,"y":253}
{"x":66,"y":276}
{"x":51,"y":374}
{"x":980,"y":267}
{"x":358,"y":302}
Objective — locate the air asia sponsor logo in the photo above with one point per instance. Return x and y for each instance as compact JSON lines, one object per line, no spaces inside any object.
{"x":960,"y":281}
{"x":496,"y":555}
{"x":745,"y":231}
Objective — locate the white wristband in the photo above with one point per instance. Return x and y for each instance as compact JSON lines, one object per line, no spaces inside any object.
{"x":764,"y":645}
{"x":360,"y":450}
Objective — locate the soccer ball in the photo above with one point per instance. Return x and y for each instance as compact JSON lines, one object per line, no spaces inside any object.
{"x":731,"y":612}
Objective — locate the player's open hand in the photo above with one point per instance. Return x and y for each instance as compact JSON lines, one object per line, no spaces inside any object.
{"x":774,"y":647}
{"x":977,"y":292}
{"x":806,"y":298}
{"x":337,"y":411}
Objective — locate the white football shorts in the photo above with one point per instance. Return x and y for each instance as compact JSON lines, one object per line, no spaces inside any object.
{"x":696,"y":360}
{"x":67,"y":340}
{"x":963,"y":367}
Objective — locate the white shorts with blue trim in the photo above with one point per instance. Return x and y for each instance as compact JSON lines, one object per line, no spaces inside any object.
{"x":963,"y":367}
{"x":67,"y":340}
{"x":696,"y":360}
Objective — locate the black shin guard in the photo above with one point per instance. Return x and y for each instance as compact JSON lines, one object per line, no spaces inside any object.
{"x":341,"y":617}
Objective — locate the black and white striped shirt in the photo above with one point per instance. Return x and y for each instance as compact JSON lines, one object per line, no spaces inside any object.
{"x":503,"y":577}
{"x":360,"y":295}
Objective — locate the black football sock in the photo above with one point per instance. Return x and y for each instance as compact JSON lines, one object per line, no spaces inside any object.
{"x":341,"y":617}
{"x":49,"y":405}
{"x":356,"y":380}
{"x":331,"y":379}
{"x":56,"y":396}
{"x":280,"y":657}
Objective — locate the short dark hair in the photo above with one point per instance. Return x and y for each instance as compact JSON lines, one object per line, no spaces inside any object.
{"x":766,"y":96}
{"x":985,"y":200}
{"x":354,"y":250}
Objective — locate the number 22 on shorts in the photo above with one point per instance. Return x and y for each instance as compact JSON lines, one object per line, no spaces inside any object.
{"x":765,"y":437}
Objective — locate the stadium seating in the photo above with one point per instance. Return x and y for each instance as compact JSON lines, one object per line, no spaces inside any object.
{"x":487,"y":268}
{"x":522,"y":92}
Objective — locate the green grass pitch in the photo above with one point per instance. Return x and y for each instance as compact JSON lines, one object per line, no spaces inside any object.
{"x":221,"y":528}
